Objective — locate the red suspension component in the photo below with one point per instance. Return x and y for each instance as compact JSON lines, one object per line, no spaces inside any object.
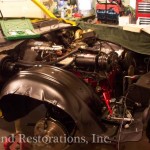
{"x":107,"y":101}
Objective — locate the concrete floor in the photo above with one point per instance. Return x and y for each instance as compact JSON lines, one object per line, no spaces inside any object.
{"x":8,"y":128}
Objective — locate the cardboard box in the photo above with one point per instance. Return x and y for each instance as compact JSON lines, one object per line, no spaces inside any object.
{"x":124,"y":20}
{"x":20,"y":9}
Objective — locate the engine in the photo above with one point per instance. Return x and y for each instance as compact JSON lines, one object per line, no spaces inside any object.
{"x":79,"y":51}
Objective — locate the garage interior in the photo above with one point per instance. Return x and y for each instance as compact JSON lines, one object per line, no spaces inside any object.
{"x":74,"y":74}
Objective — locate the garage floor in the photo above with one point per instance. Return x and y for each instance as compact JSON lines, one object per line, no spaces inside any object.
{"x":8,"y":128}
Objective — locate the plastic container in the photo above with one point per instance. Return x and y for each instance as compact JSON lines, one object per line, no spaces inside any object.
{"x":86,"y":13}
{"x":85,"y":7}
{"x":63,"y":13}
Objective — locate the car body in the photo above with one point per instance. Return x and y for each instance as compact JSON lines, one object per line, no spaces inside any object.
{"x":86,"y":84}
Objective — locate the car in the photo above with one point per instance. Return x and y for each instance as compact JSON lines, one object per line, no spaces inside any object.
{"x":92,"y":90}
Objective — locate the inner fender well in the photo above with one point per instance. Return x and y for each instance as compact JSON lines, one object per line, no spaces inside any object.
{"x":15,"y":106}
{"x":55,"y":86}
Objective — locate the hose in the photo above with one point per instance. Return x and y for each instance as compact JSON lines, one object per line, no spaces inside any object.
{"x":49,"y":14}
{"x":31,"y":64}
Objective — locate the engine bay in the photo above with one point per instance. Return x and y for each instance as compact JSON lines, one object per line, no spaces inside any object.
{"x":110,"y":70}
{"x":101,"y":64}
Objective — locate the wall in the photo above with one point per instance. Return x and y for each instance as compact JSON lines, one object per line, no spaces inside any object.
{"x":20,"y":8}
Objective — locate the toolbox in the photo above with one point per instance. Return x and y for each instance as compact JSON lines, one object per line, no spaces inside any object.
{"x":18,"y":29}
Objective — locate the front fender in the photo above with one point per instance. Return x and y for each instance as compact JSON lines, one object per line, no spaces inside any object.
{"x":55,"y":86}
